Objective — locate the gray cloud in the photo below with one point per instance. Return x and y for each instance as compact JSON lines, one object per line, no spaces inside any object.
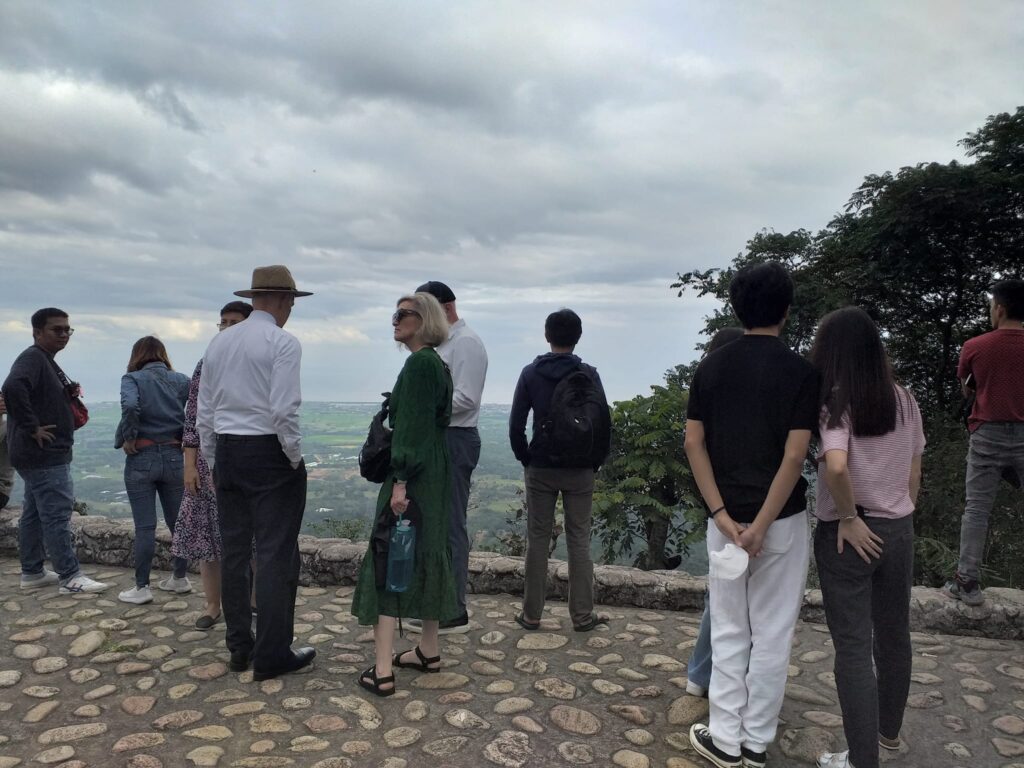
{"x":533,"y":155}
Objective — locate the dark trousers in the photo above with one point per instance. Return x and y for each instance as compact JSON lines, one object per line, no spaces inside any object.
{"x":867,"y":606}
{"x":463,"y":453}
{"x":259,"y":496}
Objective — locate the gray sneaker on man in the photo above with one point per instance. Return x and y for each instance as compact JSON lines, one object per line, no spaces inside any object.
{"x":966,"y":591}
{"x":36,"y":580}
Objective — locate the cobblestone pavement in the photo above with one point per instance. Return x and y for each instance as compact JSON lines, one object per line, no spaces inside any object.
{"x":88,"y":681}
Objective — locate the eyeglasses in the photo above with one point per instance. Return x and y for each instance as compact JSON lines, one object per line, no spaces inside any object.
{"x":401,"y":314}
{"x":61,"y":330}
{"x":227,"y":324}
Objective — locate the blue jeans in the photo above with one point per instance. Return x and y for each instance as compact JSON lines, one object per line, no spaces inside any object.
{"x":993,"y":445}
{"x":698,"y":668}
{"x":157,"y":469}
{"x":464,"y":453}
{"x":45,"y":520}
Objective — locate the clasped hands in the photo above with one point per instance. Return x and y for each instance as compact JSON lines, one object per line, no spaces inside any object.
{"x":750,"y":538}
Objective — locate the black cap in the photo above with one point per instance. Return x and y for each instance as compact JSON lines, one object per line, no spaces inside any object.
{"x":438,"y":290}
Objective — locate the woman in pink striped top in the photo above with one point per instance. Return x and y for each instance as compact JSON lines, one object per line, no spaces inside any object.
{"x":869,"y":473}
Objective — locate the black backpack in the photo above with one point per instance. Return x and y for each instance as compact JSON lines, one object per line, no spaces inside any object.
{"x":375,"y":455}
{"x":577,"y":430}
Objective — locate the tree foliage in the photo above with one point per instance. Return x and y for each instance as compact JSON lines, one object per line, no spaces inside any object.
{"x":645,"y":498}
{"x":917,"y":249}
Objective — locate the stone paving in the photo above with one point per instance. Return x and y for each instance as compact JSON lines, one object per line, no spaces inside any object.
{"x":88,"y":681}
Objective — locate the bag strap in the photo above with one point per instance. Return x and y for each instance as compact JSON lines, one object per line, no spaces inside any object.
{"x":60,"y":373}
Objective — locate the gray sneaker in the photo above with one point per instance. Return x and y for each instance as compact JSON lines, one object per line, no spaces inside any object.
{"x":36,"y":580}
{"x":966,"y":591}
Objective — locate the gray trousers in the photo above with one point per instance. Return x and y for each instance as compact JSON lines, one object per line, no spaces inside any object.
{"x":463,"y":453}
{"x":542,"y":488}
{"x":993,"y":446}
{"x":867,"y":606}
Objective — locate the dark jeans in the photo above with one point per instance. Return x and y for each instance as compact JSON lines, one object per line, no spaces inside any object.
{"x":867,"y":606}
{"x":542,"y":488}
{"x":157,"y":470}
{"x":45,"y":520}
{"x":463,"y":453}
{"x":259,"y":495}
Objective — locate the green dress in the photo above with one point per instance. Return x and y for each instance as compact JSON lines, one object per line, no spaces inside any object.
{"x":421,"y":406}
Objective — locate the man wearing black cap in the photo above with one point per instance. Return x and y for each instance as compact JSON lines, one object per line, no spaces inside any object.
{"x":466,"y":357}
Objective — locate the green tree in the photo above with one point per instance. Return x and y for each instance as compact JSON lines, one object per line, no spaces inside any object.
{"x":917,"y":249}
{"x":645,"y":494}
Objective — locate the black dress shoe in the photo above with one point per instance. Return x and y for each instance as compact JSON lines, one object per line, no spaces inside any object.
{"x":302,"y":657}
{"x":239,"y":661}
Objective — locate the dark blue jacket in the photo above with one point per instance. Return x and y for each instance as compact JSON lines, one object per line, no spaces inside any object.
{"x":533,"y":392}
{"x":35,"y":396}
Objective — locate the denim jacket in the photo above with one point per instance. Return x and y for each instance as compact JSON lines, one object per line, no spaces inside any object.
{"x":152,"y":405}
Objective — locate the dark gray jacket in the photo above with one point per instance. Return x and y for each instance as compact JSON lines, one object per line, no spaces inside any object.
{"x":35,"y":396}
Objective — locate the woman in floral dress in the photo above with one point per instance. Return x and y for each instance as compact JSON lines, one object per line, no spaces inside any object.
{"x":197,"y":534}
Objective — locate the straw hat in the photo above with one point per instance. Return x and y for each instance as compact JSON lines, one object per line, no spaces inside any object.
{"x":273,"y":279}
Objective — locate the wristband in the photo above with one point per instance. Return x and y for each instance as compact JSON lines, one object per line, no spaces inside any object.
{"x":714,"y":512}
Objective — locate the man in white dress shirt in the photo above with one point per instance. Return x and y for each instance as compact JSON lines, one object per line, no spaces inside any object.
{"x":466,"y":357}
{"x":248,"y":422}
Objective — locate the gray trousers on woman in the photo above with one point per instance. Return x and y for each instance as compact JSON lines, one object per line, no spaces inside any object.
{"x":543,"y":485}
{"x":867,"y":606}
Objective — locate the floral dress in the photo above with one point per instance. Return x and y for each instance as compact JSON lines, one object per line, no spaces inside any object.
{"x":197,"y":533}
{"x":421,"y":405}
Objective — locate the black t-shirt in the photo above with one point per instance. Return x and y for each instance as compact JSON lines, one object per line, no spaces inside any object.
{"x":749,"y":395}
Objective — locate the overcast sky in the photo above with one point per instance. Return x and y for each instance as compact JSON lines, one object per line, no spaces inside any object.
{"x":531,"y":155}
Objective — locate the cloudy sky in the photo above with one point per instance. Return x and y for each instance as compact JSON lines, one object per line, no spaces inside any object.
{"x":532,"y":155}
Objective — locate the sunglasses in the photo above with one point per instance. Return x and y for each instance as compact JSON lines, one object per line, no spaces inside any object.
{"x":401,"y":314}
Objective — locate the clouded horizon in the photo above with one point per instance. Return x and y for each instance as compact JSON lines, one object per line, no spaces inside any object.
{"x":531,"y":155}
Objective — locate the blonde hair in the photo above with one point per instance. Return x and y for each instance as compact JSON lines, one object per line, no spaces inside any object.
{"x":433,"y":330}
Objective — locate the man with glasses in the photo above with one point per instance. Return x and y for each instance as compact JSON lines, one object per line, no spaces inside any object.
{"x":40,"y":435}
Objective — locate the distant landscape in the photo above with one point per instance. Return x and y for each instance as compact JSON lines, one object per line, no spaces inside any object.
{"x":339,"y":502}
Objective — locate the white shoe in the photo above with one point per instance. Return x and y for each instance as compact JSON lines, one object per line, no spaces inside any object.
{"x":82,"y":583}
{"x":835,"y":760}
{"x":171,"y":584}
{"x":37,"y":580}
{"x":696,"y":690}
{"x":137,"y":595}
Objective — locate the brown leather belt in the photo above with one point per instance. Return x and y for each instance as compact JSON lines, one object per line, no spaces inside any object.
{"x":145,"y":442}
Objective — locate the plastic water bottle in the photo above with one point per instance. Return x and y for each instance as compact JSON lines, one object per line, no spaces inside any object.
{"x":401,"y":554}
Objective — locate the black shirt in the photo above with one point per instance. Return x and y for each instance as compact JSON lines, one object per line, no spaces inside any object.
{"x":749,"y":395}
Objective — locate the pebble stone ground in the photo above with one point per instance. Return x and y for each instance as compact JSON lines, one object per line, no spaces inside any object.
{"x":88,"y":681}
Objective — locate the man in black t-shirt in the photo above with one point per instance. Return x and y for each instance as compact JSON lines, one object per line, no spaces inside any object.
{"x":753,"y":406}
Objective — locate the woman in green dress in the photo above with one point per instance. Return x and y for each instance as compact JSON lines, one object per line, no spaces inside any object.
{"x":421,"y":405}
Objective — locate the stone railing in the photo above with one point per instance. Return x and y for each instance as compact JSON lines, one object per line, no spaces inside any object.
{"x":328,"y":562}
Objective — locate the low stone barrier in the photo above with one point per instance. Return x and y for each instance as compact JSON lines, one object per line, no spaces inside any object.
{"x":327,"y":562}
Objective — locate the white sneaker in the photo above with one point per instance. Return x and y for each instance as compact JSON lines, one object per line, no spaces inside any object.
{"x":82,"y":583}
{"x":696,"y":690}
{"x":171,"y":584}
{"x":137,"y":595}
{"x":37,"y":580}
{"x":835,"y":760}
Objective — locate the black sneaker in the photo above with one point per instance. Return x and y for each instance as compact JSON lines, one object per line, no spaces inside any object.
{"x":239,"y":661}
{"x":704,"y":745}
{"x":752,"y":759}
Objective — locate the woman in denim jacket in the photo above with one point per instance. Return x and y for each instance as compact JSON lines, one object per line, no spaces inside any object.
{"x":153,"y":399}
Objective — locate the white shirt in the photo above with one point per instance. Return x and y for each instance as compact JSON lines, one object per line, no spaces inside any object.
{"x":466,"y":357}
{"x":250,"y":386}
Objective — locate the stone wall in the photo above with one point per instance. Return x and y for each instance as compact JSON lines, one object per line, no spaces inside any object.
{"x":328,"y":562}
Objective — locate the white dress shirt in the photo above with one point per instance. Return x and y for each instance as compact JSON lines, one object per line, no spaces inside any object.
{"x":250,"y":386}
{"x":466,"y":357}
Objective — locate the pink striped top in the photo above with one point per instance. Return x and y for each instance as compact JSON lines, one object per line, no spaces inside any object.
{"x":879,"y":466}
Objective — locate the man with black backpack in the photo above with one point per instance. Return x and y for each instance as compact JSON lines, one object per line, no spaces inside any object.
{"x":571,"y":439}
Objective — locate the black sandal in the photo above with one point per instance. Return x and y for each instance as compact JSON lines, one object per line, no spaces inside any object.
{"x":422,"y":665}
{"x":373,"y":683}
{"x":594,"y":621}
{"x":528,"y":625}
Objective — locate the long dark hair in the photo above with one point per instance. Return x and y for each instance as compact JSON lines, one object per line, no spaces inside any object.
{"x":148,"y":349}
{"x":855,"y":373}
